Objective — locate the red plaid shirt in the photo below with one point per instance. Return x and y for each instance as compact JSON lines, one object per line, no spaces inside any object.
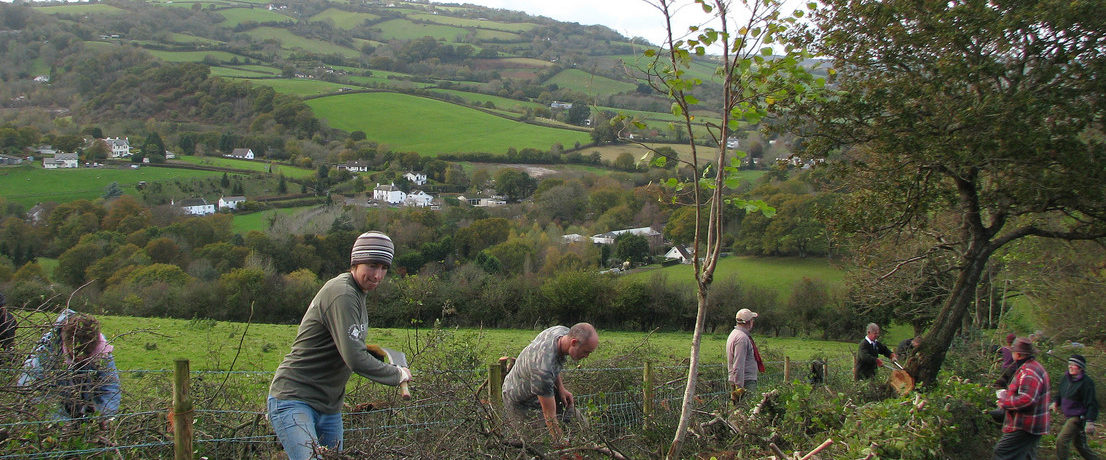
{"x":1026,"y":400}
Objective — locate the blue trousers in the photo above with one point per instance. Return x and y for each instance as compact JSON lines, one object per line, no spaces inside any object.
{"x":302,"y":430}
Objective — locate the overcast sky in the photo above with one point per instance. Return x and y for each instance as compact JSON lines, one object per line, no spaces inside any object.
{"x":628,"y":17}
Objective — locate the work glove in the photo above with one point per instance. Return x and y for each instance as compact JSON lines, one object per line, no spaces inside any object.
{"x":1089,"y":428}
{"x":406,"y":374}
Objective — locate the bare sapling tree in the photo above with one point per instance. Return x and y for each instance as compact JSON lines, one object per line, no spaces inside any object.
{"x":760,"y":74}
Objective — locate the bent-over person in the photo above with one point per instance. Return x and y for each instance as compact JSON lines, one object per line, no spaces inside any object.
{"x":867,"y":357}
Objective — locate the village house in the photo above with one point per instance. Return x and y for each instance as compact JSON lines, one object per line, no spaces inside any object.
{"x":10,"y":160}
{"x":120,"y":146}
{"x":654,"y":237}
{"x":389,"y":194}
{"x":61,"y":160}
{"x":557,"y":105}
{"x":679,"y":253}
{"x":416,"y":178}
{"x":418,"y":198}
{"x":353,"y":166}
{"x":240,"y":153}
{"x":482,"y":201}
{"x":573,"y":238}
{"x":230,"y":202}
{"x":197,"y":206}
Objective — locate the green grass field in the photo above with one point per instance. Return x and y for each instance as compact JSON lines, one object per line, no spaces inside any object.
{"x":259,"y":166}
{"x":212,"y":345}
{"x":192,"y":39}
{"x":301,"y":86}
{"x":193,"y":56}
{"x":289,"y":40}
{"x":344,"y":19}
{"x":236,"y":16}
{"x":28,"y":185}
{"x":97,"y":8}
{"x":473,"y":23}
{"x":430,"y":127}
{"x":513,"y":105}
{"x":779,"y":273}
{"x":587,"y":83}
{"x":244,"y":223}
{"x":402,"y":29}
{"x":237,"y":72}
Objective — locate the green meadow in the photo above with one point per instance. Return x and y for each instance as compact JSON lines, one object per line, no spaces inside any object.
{"x":430,"y":127}
{"x":81,"y":9}
{"x":403,"y":29}
{"x":500,"y":102}
{"x":259,"y":221}
{"x":300,"y":86}
{"x":236,"y":16}
{"x":192,"y":39}
{"x":778,"y":273}
{"x":154,"y":343}
{"x":344,"y":19}
{"x":578,"y":80}
{"x":193,"y":56}
{"x":28,"y":185}
{"x":259,"y":166}
{"x":289,"y":40}
{"x":237,"y":72}
{"x":473,"y":23}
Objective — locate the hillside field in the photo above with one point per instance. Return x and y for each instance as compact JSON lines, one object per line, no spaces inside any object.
{"x":779,"y":273}
{"x":259,"y":166}
{"x":431,"y":127}
{"x":259,"y":221}
{"x":28,"y":185}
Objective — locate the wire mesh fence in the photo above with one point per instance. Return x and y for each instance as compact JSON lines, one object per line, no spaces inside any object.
{"x":451,"y":413}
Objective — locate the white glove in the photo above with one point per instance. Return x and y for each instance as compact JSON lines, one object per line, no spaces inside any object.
{"x":405,"y":375}
{"x":1089,"y":428}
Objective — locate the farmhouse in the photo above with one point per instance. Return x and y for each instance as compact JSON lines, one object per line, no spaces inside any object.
{"x":482,"y":201}
{"x":573,"y":238}
{"x":353,"y":166}
{"x":418,"y":198}
{"x":389,"y":194}
{"x":10,"y":160}
{"x":120,"y":147}
{"x":230,"y":202}
{"x":416,"y":178}
{"x":244,"y":154}
{"x":197,"y":206}
{"x":61,"y":160}
{"x":679,"y":253}
{"x":654,"y":237}
{"x":560,"y":105}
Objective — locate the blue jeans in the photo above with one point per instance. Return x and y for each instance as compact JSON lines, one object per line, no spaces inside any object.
{"x":302,"y":429}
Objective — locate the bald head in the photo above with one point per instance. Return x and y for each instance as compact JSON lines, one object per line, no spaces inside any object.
{"x":582,"y":340}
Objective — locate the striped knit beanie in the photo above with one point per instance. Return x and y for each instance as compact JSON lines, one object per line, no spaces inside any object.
{"x":1078,"y":360}
{"x":372,"y":247}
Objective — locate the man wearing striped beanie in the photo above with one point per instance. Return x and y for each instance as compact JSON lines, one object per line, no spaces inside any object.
{"x":306,"y":395}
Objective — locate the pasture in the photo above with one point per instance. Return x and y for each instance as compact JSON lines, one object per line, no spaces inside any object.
{"x":431,"y":127}
{"x":504,"y":103}
{"x":177,"y":37}
{"x":259,"y":221}
{"x":259,"y":166}
{"x":590,"y":84}
{"x":81,"y":9}
{"x":28,"y":185}
{"x":403,"y":29}
{"x":193,"y":56}
{"x":474,"y":23}
{"x":237,"y":72}
{"x":236,"y":16}
{"x":344,"y":19}
{"x":300,"y":86}
{"x":777,"y":273}
{"x":289,"y":41}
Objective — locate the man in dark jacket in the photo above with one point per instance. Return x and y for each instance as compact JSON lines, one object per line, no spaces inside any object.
{"x":867,"y":358}
{"x":1025,"y":401}
{"x":1076,"y":399}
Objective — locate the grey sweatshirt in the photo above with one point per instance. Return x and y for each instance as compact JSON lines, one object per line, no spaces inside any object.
{"x":329,"y":347}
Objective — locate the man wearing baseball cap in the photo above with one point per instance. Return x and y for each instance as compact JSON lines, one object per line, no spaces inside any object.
{"x":1025,"y":401}
{"x":1076,"y":399}
{"x":305,"y":397}
{"x":742,"y":356}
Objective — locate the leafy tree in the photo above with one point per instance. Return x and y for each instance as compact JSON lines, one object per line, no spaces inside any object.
{"x":579,"y":113}
{"x":631,"y":247}
{"x":97,"y":151}
{"x":680,"y":228}
{"x":753,"y":87}
{"x":483,"y":233}
{"x":113,"y":190}
{"x":515,"y":184}
{"x":153,"y":145}
{"x":980,"y":113}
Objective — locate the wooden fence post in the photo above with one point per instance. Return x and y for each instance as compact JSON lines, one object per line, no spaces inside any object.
{"x":825,"y":372}
{"x":495,"y":384}
{"x":786,"y":369}
{"x":182,"y":412}
{"x":647,"y":392}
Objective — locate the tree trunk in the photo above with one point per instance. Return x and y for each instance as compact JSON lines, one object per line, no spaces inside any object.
{"x":931,"y":352}
{"x":692,"y":375}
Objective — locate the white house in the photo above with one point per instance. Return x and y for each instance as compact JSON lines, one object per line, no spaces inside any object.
{"x":416,"y":178}
{"x":246,"y":154}
{"x":61,"y":160}
{"x":353,"y":166}
{"x":573,"y":238}
{"x":560,"y":105}
{"x":10,"y":160}
{"x":197,"y":206}
{"x":679,"y":253}
{"x":230,"y":202}
{"x":389,"y":193}
{"x":120,"y":146}
{"x":654,"y":237}
{"x":418,"y":198}
{"x":483,"y":201}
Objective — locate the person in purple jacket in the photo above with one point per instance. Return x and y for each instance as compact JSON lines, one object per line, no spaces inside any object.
{"x":1076,"y":399}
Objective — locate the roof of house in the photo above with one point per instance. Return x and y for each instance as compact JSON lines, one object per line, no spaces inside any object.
{"x":230,"y":199}
{"x":387,"y":188}
{"x":190,"y":202}
{"x":65,"y":156}
{"x":240,"y":151}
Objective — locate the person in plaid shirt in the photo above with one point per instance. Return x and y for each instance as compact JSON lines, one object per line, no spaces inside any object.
{"x":1025,"y":401}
